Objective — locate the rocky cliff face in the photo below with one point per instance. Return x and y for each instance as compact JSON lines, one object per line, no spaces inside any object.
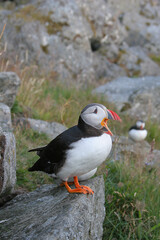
{"x":86,"y":40}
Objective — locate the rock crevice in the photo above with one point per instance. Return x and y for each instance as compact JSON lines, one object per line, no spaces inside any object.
{"x":2,"y":150}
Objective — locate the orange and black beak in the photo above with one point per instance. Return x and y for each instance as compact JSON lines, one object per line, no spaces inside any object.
{"x":110,"y":115}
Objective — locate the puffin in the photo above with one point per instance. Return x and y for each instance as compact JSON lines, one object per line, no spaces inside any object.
{"x":79,"y":150}
{"x":138,"y":132}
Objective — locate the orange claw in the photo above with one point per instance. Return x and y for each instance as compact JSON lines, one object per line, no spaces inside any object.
{"x":88,"y":189}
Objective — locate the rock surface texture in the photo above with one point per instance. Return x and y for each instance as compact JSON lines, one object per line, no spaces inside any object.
{"x":51,"y":129}
{"x":52,"y":213}
{"x":58,"y":35}
{"x":5,"y":117}
{"x":7,"y":163}
{"x":7,"y":152}
{"x":125,"y":148}
{"x":137,"y":96}
{"x":9,"y":83}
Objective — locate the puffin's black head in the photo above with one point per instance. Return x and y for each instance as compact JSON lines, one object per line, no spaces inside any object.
{"x":97,"y":115}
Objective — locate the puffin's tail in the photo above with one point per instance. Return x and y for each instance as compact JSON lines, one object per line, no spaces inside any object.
{"x":36,"y":149}
{"x":39,"y":150}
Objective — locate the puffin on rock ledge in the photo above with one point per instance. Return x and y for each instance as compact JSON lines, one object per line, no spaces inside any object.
{"x":138,"y":132}
{"x":79,"y":150}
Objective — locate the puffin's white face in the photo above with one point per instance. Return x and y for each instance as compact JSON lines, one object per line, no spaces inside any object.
{"x":140,"y":124}
{"x":97,"y":115}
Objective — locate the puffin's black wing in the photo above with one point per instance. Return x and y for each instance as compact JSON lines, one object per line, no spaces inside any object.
{"x":52,"y":156}
{"x":134,"y":127}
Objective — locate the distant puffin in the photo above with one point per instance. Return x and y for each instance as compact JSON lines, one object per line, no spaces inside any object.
{"x":138,"y":132}
{"x":80,"y":149}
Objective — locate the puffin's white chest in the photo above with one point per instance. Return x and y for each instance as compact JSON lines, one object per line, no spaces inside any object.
{"x":137,"y":135}
{"x":85,"y":155}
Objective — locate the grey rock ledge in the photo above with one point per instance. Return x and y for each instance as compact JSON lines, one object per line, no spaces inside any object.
{"x":52,"y":213}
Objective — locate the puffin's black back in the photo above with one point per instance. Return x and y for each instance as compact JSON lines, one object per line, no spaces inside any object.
{"x":134,"y":127}
{"x":52,"y":157}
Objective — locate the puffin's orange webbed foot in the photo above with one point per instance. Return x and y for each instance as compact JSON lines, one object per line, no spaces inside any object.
{"x":90,"y":191}
{"x":76,"y":190}
{"x":77,"y":185}
{"x":79,"y":188}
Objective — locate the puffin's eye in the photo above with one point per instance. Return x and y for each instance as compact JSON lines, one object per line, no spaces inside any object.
{"x":95,"y":111}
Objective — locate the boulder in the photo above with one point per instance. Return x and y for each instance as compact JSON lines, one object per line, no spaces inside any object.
{"x":139,"y":97}
{"x":125,"y":147}
{"x":7,"y":163}
{"x":5,"y":117}
{"x":142,"y":152}
{"x":145,"y":103}
{"x":52,"y":213}
{"x":153,"y":160}
{"x":51,"y":129}
{"x":7,"y":152}
{"x":9,"y":82}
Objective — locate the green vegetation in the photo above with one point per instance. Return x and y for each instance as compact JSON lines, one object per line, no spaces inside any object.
{"x":153,"y":133}
{"x":16,"y":108}
{"x":47,"y":99}
{"x":25,"y":140}
{"x":132,"y":192}
{"x":132,"y":202}
{"x":155,"y":59}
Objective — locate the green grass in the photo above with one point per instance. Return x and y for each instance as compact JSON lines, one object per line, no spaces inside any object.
{"x":153,"y":133}
{"x":132,"y":203}
{"x":155,"y":59}
{"x":25,"y":140}
{"x":52,"y":101}
{"x":16,"y":108}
